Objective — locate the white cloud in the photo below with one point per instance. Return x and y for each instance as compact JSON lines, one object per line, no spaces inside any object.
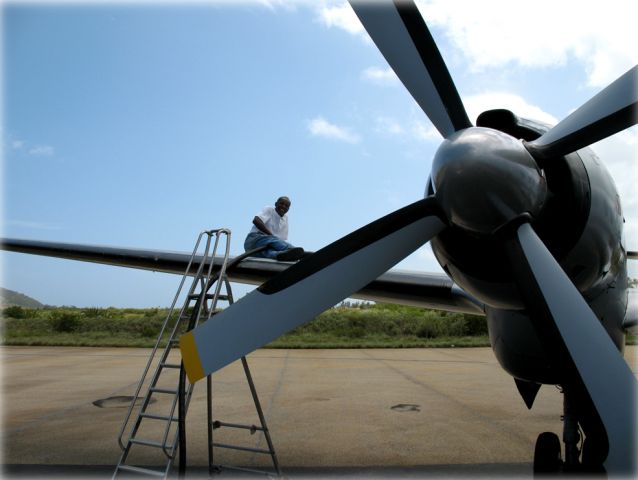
{"x":320,"y":127}
{"x":17,"y":144}
{"x":42,"y":151}
{"x":422,"y":130}
{"x":601,"y":36}
{"x":270,"y":4}
{"x":380,"y":76}
{"x":388,"y":126}
{"x":419,"y":128}
{"x":341,"y":16}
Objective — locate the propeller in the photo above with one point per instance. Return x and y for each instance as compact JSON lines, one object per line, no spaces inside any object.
{"x":309,"y":287}
{"x":612,"y":110}
{"x":331,"y":274}
{"x":399,"y":32}
{"x":559,"y":308}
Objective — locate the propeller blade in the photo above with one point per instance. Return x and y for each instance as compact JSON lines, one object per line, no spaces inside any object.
{"x":309,"y":287}
{"x":559,"y":307}
{"x":401,"y":35}
{"x":612,"y":110}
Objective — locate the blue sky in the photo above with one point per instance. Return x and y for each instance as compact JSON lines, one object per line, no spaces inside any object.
{"x":139,"y":124}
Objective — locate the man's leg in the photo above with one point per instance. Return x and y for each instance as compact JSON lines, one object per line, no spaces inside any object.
{"x":277,"y":248}
{"x":274,"y":245}
{"x":284,"y":251}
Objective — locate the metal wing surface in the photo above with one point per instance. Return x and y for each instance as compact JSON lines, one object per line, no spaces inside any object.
{"x":428,"y":290}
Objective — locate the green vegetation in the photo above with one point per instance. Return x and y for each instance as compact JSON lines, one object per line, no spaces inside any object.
{"x":345,"y":326}
{"x":71,"y":326}
{"x":386,"y":326}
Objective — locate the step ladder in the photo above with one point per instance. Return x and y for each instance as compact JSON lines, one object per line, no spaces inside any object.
{"x":218,"y":468}
{"x":153,"y":437}
{"x":198,"y":306}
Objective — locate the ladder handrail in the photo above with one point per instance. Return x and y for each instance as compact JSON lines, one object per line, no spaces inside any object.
{"x":198,"y":308}
{"x":159,"y":338}
{"x":201,"y":301}
{"x":221,"y":274}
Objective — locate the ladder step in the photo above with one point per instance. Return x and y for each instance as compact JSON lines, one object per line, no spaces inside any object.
{"x":171,"y":365}
{"x":194,"y":296}
{"x":209,"y":296}
{"x":243,"y":469}
{"x":245,"y":449}
{"x":143,"y":471}
{"x":163,"y":390}
{"x":154,"y":416}
{"x":252,"y":428}
{"x":149,"y":443}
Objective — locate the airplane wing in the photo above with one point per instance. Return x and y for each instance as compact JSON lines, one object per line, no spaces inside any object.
{"x":427,"y":290}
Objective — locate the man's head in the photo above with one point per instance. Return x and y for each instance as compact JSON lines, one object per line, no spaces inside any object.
{"x":282,"y":205}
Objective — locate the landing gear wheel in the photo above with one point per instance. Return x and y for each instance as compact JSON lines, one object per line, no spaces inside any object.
{"x":547,"y":459}
{"x":593,"y":456}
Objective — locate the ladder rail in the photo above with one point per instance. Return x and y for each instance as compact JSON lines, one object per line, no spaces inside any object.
{"x":158,"y":342}
{"x":210,"y":279}
{"x":170,"y":453}
{"x":199,"y":305}
{"x":221,"y":275}
{"x":263,"y":428}
{"x":260,"y":414}
{"x":253,"y":390}
{"x":165,"y":354}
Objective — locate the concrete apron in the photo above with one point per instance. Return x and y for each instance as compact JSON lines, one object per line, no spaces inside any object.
{"x":385,"y":410}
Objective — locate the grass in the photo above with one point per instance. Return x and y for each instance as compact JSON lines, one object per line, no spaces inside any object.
{"x":346,"y":326}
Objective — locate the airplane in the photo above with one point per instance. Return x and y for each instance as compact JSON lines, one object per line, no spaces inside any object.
{"x":525,"y":221}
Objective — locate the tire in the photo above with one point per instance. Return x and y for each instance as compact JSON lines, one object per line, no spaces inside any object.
{"x":594,"y":455}
{"x":547,"y":454}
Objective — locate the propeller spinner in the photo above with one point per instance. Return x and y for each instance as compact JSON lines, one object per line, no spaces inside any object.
{"x":483,"y":179}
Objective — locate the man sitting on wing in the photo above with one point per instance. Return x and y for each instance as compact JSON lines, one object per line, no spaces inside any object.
{"x":270,"y":229}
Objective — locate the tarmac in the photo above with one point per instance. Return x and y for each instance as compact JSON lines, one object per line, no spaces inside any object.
{"x":354,"y":413}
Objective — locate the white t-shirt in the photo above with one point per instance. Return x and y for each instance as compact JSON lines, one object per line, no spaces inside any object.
{"x":276,"y":224}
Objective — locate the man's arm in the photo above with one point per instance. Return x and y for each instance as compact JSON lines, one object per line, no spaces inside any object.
{"x":259,"y":223}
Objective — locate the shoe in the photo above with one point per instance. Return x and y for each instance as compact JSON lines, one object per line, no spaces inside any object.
{"x":291,"y":255}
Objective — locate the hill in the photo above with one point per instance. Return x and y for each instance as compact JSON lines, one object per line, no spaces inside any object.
{"x":10,"y":298}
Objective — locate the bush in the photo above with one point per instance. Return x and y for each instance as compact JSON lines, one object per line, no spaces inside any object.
{"x":65,"y":321}
{"x":475,"y":325}
{"x":91,"y":312}
{"x":14,"y":312}
{"x":427,"y":330}
{"x":149,"y":331}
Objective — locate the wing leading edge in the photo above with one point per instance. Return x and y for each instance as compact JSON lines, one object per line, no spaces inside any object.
{"x":428,"y":290}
